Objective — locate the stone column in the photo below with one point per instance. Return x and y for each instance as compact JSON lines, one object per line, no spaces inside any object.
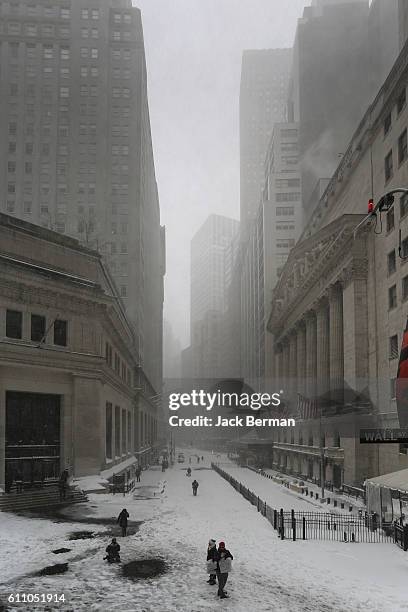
{"x":336,"y":339}
{"x":311,"y":356}
{"x":293,"y":364}
{"x":278,"y":366}
{"x":285,"y":365}
{"x":323,"y":347}
{"x":301,"y":358}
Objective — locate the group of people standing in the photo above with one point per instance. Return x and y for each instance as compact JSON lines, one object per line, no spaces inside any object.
{"x":218,"y":565}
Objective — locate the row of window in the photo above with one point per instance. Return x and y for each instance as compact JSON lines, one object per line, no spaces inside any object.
{"x":115,"y":362}
{"x":403,"y":210}
{"x":48,"y":51}
{"x":402,"y":155}
{"x":32,"y":29}
{"x":401,"y":102}
{"x":33,"y":10}
{"x":392,"y":293}
{"x":288,"y":197}
{"x":285,"y":211}
{"x":38,"y":328}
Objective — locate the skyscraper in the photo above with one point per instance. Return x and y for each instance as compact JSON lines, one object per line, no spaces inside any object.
{"x":262,"y":102}
{"x":331,"y":40}
{"x":76,"y":151}
{"x":211,"y":269}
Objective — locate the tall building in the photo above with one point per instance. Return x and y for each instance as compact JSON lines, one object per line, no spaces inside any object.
{"x":211,"y":265}
{"x":272,"y":236}
{"x":402,"y":22}
{"x":75,"y":148}
{"x":262,"y":102}
{"x":331,"y":40}
{"x":339,"y":309}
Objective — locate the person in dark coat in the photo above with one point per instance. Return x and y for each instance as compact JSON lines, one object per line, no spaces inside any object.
{"x":138,"y":472}
{"x":123,"y":521}
{"x":212,"y":556}
{"x":224,"y":559}
{"x":112,"y":550}
{"x":194,"y":485}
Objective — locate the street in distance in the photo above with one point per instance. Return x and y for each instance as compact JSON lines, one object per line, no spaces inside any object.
{"x":236,"y":421}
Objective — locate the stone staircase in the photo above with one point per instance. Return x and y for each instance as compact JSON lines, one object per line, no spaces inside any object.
{"x":47,"y":497}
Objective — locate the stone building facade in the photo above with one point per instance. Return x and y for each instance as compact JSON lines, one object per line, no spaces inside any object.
{"x":339,"y":309}
{"x":72,"y":391}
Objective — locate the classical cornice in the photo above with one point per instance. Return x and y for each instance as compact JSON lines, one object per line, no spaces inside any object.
{"x":328,"y":256}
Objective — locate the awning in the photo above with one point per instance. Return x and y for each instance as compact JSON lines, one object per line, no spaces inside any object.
{"x":393,"y":480}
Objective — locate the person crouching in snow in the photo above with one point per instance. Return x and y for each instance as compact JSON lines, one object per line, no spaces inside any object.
{"x":123,"y":521}
{"x":113,"y":549}
{"x":194,"y":485}
{"x":224,"y":559}
{"x":212,"y":561}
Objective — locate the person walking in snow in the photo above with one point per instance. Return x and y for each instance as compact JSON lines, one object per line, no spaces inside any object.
{"x":224,"y":559}
{"x":112,"y":549}
{"x":123,"y":521}
{"x":138,"y":472}
{"x":212,"y":561}
{"x":194,"y":485}
{"x":188,"y":473}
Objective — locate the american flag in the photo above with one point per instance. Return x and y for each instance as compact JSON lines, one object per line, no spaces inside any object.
{"x":307,"y":408}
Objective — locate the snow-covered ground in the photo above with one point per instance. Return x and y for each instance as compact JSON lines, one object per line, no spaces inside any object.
{"x":269,"y":575}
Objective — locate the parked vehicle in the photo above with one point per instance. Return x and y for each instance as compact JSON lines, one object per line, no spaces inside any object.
{"x":180,"y":458}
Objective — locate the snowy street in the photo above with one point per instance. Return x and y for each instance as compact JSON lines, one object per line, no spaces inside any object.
{"x":268,"y":574}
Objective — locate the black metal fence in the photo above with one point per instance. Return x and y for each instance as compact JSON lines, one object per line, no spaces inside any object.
{"x":320,"y":525}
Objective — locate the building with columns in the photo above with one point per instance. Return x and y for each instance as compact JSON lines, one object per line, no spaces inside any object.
{"x":339,"y":308}
{"x":73,"y":393}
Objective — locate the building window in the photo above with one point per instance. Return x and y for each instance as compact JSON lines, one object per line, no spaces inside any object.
{"x":405,"y":288}
{"x":37,"y":328}
{"x":95,"y":14}
{"x":65,"y":13}
{"x":402,"y":147}
{"x":401,"y":101}
{"x":285,"y":211}
{"x":404,"y":248}
{"x":388,"y":166}
{"x":403,"y":205}
{"x":123,"y":291}
{"x":94,"y":53}
{"x":60,"y":332}
{"x":390,"y":220}
{"x":65,"y":53}
{"x":391,"y":262}
{"x":387,"y":124}
{"x":14,"y":324}
{"x":11,"y":167}
{"x":392,"y":297}
{"x":393,"y":387}
{"x":393,"y":348}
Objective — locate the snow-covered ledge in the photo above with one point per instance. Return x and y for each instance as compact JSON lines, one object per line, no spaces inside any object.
{"x":119,"y":467}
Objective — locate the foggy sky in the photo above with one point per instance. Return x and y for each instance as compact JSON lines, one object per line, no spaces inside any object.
{"x":194,"y":50}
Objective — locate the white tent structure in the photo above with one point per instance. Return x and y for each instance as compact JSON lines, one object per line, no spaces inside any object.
{"x":387,"y":494}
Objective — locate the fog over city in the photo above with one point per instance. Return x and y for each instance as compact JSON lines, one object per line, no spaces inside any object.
{"x":194,"y":52}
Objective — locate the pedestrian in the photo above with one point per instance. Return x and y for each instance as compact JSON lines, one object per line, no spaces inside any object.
{"x":189,"y":459}
{"x":188,"y":472}
{"x":163,"y":466}
{"x":194,"y":485}
{"x":123,"y":521}
{"x":63,"y":484}
{"x":138,"y":472}
{"x":198,"y":459}
{"x":212,"y":561}
{"x":202,"y":458}
{"x":112,"y":550}
{"x":224,"y":559}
